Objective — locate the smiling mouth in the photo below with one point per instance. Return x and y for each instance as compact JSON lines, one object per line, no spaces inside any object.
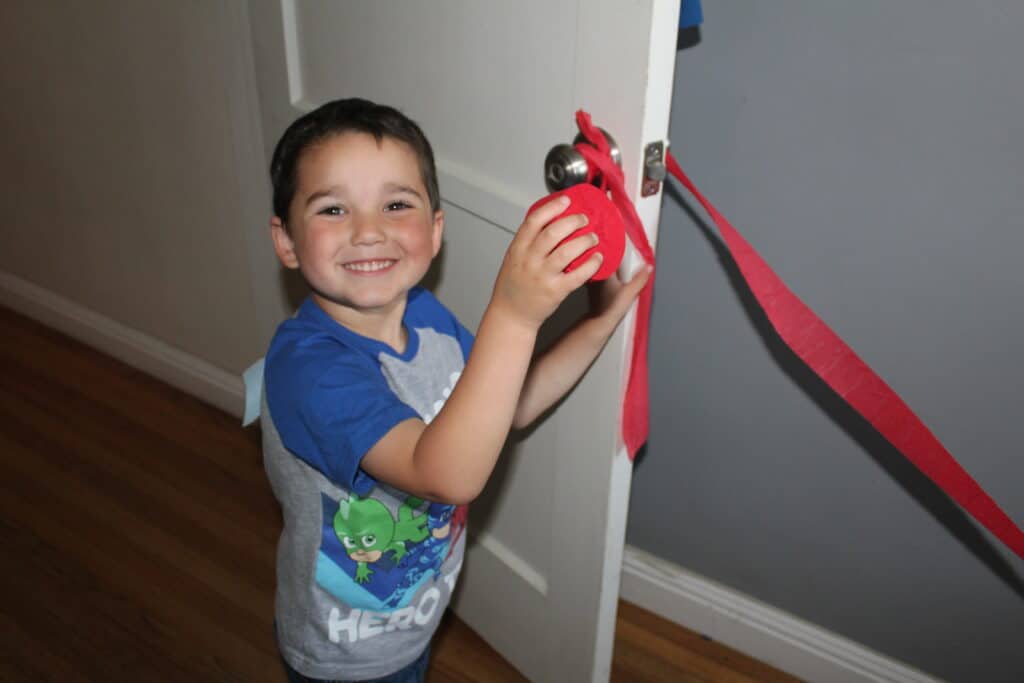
{"x":374,"y":266}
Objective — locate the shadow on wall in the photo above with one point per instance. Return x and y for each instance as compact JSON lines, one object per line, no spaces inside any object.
{"x":688,"y":37}
{"x":902,"y":471}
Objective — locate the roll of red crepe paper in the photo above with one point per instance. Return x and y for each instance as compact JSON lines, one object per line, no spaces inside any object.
{"x":603,"y":219}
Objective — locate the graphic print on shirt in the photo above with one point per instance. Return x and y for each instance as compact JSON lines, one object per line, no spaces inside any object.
{"x":439,"y":403}
{"x":367,"y":531}
{"x":372,"y":559}
{"x":377,"y":553}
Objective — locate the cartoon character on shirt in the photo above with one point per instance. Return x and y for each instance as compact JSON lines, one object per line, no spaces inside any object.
{"x":440,"y":520}
{"x":368,"y":531}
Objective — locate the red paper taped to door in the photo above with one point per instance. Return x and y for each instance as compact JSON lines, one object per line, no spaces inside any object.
{"x":808,"y":337}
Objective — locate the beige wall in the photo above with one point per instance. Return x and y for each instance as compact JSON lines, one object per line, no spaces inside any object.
{"x":133,"y":172}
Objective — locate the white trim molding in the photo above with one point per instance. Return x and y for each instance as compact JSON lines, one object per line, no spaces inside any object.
{"x":148,"y":354}
{"x":756,"y":629}
{"x":515,"y":563}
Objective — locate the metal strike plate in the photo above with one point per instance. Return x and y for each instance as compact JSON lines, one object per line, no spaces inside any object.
{"x":654,"y":168}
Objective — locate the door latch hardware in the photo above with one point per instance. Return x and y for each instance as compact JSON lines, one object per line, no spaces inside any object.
{"x":654,"y":168}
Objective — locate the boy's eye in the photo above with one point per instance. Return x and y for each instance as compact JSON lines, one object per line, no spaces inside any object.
{"x":331,"y":211}
{"x":369,"y":540}
{"x":398,"y":205}
{"x":348,"y":542}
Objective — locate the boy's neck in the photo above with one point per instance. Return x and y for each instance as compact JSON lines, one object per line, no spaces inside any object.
{"x":383,"y":324}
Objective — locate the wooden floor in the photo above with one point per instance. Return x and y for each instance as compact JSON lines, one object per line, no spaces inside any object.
{"x":137,"y":533}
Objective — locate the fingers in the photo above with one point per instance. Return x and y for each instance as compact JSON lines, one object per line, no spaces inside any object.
{"x":540,"y":217}
{"x":571,"y":249}
{"x":559,"y":230}
{"x":639,"y":279}
{"x":554,"y":264}
{"x":546,"y":237}
{"x":626,"y":293}
{"x":578,"y":277}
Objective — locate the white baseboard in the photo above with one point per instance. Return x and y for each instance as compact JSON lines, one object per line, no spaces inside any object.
{"x":754,"y":628}
{"x":148,"y":354}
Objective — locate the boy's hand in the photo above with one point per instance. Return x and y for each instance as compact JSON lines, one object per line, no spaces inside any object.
{"x":611,"y":298}
{"x":532,"y":282}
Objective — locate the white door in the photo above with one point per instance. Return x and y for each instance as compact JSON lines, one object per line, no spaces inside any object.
{"x":494,"y":85}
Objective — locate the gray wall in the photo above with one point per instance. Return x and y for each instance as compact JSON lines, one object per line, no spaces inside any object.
{"x":873,"y":152}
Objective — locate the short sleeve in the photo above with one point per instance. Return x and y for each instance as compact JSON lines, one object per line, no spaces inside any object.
{"x":330,"y":406}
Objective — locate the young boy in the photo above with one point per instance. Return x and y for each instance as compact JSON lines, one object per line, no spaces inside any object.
{"x":381,"y":412}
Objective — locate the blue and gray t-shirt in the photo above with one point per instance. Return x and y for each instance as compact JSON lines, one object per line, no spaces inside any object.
{"x":364,"y":570}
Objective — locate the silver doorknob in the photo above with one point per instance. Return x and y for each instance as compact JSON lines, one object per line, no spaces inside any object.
{"x":564,"y":166}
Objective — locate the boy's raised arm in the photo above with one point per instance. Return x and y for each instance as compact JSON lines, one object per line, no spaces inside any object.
{"x":558,"y":369}
{"x":451,"y":459}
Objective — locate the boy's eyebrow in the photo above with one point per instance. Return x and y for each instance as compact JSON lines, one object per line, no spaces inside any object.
{"x":336,"y":189}
{"x":399,"y":187}
{"x":326,"y":192}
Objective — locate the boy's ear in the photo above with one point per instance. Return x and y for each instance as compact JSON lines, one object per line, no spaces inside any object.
{"x":438,"y":230}
{"x":284,"y":247}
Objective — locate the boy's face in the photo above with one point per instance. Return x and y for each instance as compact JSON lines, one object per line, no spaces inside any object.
{"x":360,"y":228}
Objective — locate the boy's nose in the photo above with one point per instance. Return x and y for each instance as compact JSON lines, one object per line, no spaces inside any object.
{"x":366,"y":231}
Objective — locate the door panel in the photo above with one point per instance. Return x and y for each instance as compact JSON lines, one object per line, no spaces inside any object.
{"x":494,"y":85}
{"x":470,"y":73}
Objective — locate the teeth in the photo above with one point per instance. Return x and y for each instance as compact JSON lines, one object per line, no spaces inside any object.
{"x":368,"y":266}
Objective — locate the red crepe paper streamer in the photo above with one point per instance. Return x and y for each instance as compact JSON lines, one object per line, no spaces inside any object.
{"x":836,"y":363}
{"x":824,"y":352}
{"x":805,"y":334}
{"x":635,"y":409}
